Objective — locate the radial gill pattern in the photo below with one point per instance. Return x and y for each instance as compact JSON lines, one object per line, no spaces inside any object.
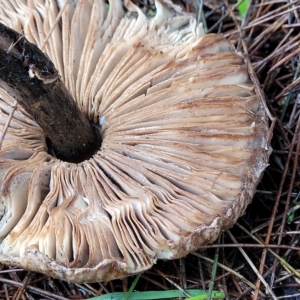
{"x":184,"y":142}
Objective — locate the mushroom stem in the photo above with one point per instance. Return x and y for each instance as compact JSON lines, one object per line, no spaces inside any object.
{"x":29,"y":76}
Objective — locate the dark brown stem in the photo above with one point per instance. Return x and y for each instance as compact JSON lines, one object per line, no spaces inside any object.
{"x":44,"y":96}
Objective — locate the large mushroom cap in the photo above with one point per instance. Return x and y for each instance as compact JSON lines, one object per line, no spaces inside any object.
{"x":184,"y":142}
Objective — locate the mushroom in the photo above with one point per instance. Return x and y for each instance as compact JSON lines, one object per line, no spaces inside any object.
{"x":184,"y":141}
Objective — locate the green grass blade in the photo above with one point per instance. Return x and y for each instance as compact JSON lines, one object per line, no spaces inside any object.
{"x":214,"y":295}
{"x":137,"y":277}
{"x":214,"y":271}
{"x":196,"y":295}
{"x":243,"y":7}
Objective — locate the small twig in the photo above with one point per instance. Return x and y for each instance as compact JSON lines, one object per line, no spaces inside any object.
{"x":201,"y":17}
{"x":264,"y":19}
{"x":173,"y":283}
{"x":10,"y":116}
{"x":213,"y":272}
{"x":285,"y":59}
{"x":291,"y":185}
{"x":266,"y":34}
{"x":182,"y":273}
{"x":201,"y":274}
{"x":282,"y":261}
{"x":268,"y":289}
{"x":54,"y":25}
{"x":296,"y":142}
{"x":6,"y":292}
{"x":11,"y":270}
{"x":289,"y":296}
{"x":288,"y":88}
{"x":159,"y":284}
{"x":291,"y":25}
{"x":252,"y":246}
{"x":21,"y":289}
{"x":238,"y":275}
{"x":33,"y":289}
{"x":273,"y":16}
{"x":215,"y":25}
{"x":283,"y":46}
{"x":247,"y":291}
{"x":15,"y":43}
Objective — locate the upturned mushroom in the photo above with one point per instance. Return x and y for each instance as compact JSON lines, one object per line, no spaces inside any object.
{"x":184,"y":141}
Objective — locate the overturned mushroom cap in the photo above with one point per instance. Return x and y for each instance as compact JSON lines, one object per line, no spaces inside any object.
{"x":184,"y":142}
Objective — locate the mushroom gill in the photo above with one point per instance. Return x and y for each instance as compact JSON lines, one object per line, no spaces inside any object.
{"x":183,"y":130}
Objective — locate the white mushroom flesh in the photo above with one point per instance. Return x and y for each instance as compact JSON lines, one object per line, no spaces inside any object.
{"x":184,"y":142}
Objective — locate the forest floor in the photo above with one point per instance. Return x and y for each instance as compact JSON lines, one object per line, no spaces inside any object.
{"x":259,"y":258}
